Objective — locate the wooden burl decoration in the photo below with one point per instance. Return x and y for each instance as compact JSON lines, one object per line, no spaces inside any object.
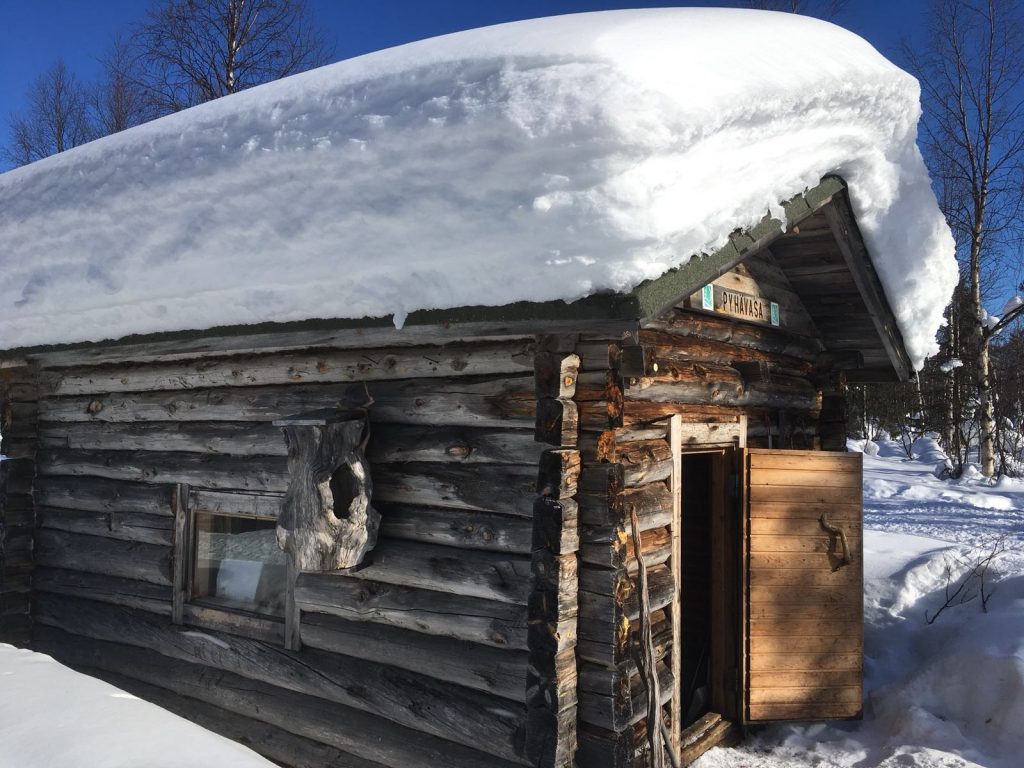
{"x":326,"y":521}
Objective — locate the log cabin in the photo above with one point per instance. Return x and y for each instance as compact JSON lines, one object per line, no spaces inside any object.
{"x":604,"y":530}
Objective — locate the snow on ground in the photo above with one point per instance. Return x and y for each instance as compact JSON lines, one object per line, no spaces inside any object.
{"x":945,"y":695}
{"x":540,"y":160}
{"x":51,"y":716}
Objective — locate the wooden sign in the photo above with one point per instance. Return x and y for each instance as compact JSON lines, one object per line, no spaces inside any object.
{"x":745,"y":306}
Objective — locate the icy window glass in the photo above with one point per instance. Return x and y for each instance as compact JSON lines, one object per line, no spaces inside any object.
{"x":238,"y":563}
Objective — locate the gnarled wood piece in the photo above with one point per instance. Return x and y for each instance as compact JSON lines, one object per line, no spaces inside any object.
{"x":326,"y":521}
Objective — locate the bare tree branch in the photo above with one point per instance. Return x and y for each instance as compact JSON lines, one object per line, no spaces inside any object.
{"x":56,"y":118}
{"x":199,"y":50}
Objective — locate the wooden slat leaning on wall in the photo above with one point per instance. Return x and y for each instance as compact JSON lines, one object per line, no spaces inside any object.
{"x":804,"y":655}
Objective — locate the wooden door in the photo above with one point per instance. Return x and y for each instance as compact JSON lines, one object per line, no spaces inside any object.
{"x":802,"y":582}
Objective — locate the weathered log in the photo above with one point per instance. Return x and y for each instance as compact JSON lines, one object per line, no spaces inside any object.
{"x":455,"y":528}
{"x":313,"y":717}
{"x":274,"y":743}
{"x":327,"y":366}
{"x":558,"y":473}
{"x":151,"y":529}
{"x":686,"y":323}
{"x":645,"y":461}
{"x":326,"y":521}
{"x":488,"y":575}
{"x":458,"y":487}
{"x":470,"y":401}
{"x":671,"y":348}
{"x":624,"y":708}
{"x":480,"y":667}
{"x":130,"y":593}
{"x":611,"y":645}
{"x":557,"y":421}
{"x":615,"y":550}
{"x":99,"y":495}
{"x":98,"y":554}
{"x":252,"y":473}
{"x":410,"y":699}
{"x":475,"y":620}
{"x":443,"y":443}
{"x":231,"y":438}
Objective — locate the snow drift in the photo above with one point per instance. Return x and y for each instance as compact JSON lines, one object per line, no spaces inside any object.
{"x":540,"y":160}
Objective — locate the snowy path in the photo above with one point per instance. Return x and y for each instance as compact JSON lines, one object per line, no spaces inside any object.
{"x":945,"y":695}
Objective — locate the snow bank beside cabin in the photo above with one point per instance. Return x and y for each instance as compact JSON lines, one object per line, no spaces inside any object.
{"x":52,"y":716}
{"x":539,"y":160}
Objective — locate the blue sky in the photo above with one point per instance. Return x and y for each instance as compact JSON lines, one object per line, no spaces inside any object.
{"x":34,"y":33}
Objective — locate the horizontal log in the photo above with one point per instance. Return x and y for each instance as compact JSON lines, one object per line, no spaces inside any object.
{"x":685,"y":323}
{"x":130,"y":593}
{"x":645,"y":461}
{"x":618,"y":552}
{"x":98,"y":554}
{"x":484,"y":402}
{"x":231,"y":438}
{"x":410,"y":699}
{"x":263,"y":505}
{"x":131,"y":526}
{"x":266,"y":739}
{"x":492,"y":576}
{"x":319,"y":367}
{"x":482,"y":668}
{"x":821,"y":460}
{"x":203,"y":614}
{"x":313,"y":717}
{"x":458,"y":444}
{"x":98,"y":495}
{"x":619,"y":712}
{"x":669,"y":348}
{"x":498,"y":624}
{"x":204,"y":344}
{"x":505,"y":489}
{"x":614,"y":646}
{"x":455,"y":528}
{"x":652,"y":502}
{"x":252,"y":473}
{"x":621,"y":583}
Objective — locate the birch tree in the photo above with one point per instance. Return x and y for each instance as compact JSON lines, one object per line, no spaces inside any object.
{"x":199,"y":50}
{"x":972,"y":78}
{"x":56,"y":118}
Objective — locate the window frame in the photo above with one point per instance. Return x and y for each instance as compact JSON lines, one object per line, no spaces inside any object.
{"x":189,"y":610}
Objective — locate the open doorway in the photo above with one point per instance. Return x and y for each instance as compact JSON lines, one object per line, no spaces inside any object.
{"x":695,"y":586}
{"x":708,"y":592}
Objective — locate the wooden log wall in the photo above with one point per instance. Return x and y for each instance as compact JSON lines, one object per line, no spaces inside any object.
{"x":18,"y":406}
{"x":419,"y":658}
{"x":720,"y":376}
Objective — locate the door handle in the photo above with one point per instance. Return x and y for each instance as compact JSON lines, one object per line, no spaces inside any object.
{"x":835,"y":530}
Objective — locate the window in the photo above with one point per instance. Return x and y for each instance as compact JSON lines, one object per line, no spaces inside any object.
{"x":238,"y":564}
{"x":229,"y":572}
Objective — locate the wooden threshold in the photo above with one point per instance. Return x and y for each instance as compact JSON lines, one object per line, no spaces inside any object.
{"x":712,"y":730}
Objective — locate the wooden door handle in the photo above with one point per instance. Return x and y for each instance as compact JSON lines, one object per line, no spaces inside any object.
{"x":835,"y":530}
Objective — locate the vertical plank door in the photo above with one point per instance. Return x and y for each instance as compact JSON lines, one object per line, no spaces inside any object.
{"x":802,"y":578}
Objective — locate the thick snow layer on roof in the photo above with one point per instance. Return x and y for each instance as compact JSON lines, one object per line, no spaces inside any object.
{"x":540,"y":160}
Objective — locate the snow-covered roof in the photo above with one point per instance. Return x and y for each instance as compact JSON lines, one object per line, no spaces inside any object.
{"x":534,"y":161}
